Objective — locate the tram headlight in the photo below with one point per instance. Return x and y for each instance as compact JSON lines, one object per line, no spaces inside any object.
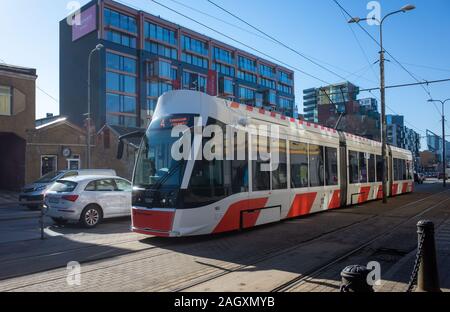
{"x":170,"y":199}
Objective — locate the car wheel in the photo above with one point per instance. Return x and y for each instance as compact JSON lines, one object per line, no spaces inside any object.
{"x":91,"y":216}
{"x":59,"y":221}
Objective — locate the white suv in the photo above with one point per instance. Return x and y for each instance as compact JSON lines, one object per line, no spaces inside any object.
{"x":88,"y":199}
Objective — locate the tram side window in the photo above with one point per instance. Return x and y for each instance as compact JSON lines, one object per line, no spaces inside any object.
{"x":362,"y":168}
{"x":299,"y":164}
{"x":395,"y":169}
{"x":316,"y":165}
{"x":372,"y":168}
{"x":261,"y":174}
{"x":403,"y":169}
{"x":353,"y":167}
{"x":379,"y":160}
{"x":279,"y":174}
{"x":331,"y":166}
{"x":239,"y":164}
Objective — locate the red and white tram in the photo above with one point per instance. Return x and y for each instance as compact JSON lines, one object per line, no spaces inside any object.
{"x":319,"y":169}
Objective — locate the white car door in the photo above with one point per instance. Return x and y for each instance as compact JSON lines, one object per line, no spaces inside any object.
{"x":108,"y":197}
{"x":124,"y":188}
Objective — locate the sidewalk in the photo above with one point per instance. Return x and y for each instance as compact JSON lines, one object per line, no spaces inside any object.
{"x":397,"y":278}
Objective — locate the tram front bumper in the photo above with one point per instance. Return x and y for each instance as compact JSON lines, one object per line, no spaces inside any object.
{"x":157,"y":222}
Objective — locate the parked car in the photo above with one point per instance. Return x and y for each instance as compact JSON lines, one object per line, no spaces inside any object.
{"x":441,"y":176}
{"x":88,"y":199}
{"x":35,"y":191}
{"x":419,"y":178}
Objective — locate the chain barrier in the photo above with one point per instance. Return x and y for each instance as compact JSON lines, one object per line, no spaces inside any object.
{"x":415,"y":272}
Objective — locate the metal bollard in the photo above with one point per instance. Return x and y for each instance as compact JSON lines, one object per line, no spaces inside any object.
{"x":41,"y":222}
{"x":354,"y":279}
{"x":428,"y":277}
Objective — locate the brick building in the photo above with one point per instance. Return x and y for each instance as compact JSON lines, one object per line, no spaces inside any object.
{"x":17,"y":114}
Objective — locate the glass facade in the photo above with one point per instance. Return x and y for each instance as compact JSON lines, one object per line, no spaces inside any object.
{"x":240,"y":76}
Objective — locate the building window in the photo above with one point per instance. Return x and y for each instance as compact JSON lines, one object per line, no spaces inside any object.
{"x":121,"y":120}
{"x":120,"y":63}
{"x":267,"y":83}
{"x":161,"y":50}
{"x":160,"y":69}
{"x":195,"y":60}
{"x":246,"y":76}
{"x":246,"y":96}
{"x":226,"y":86}
{"x":193,"y":81}
{"x":73,"y":164}
{"x":223,"y":55}
{"x":285,"y":78}
{"x":267,"y":71}
{"x":5,"y":101}
{"x":119,"y":20}
{"x":119,"y":38}
{"x":156,"y":88}
{"x":116,"y":103}
{"x":120,"y":83}
{"x":247,"y":64}
{"x":153,"y":31}
{"x":49,"y":163}
{"x":194,"y":45}
{"x":284,"y":88}
{"x":224,"y":69}
{"x":286,"y":104}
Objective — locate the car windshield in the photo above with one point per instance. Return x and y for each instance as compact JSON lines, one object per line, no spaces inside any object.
{"x":50,"y":177}
{"x":155,"y":167}
{"x":62,"y":186}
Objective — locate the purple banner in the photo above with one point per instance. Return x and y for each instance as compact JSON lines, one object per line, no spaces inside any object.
{"x":88,"y":23}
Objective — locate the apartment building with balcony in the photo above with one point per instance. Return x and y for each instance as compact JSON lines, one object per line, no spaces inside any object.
{"x":145,"y":56}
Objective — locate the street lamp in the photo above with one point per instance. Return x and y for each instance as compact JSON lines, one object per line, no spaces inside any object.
{"x":97,"y":48}
{"x":444,"y":160}
{"x":404,"y":9}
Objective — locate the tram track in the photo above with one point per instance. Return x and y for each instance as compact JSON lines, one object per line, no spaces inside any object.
{"x":280,"y":252}
{"x":316,"y":271}
{"x":211,"y":274}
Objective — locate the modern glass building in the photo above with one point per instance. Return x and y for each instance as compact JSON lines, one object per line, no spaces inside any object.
{"x":145,"y":56}
{"x":336,"y":95}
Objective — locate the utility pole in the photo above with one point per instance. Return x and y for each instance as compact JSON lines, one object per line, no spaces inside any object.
{"x":444,"y":159}
{"x":404,"y":9}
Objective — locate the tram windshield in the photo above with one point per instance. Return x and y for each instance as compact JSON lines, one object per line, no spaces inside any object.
{"x":155,"y":168}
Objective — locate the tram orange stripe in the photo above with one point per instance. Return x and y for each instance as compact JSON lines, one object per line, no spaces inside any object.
{"x":394,"y":189}
{"x":405,"y":188}
{"x":364,"y":196}
{"x":231,"y":220}
{"x":335,"y":200}
{"x":302,"y":205}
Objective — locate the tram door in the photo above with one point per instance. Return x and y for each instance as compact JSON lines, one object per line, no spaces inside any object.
{"x":343,"y":169}
{"x":390,"y":170}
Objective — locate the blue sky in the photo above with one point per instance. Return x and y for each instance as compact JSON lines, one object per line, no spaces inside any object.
{"x":419,"y":39}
